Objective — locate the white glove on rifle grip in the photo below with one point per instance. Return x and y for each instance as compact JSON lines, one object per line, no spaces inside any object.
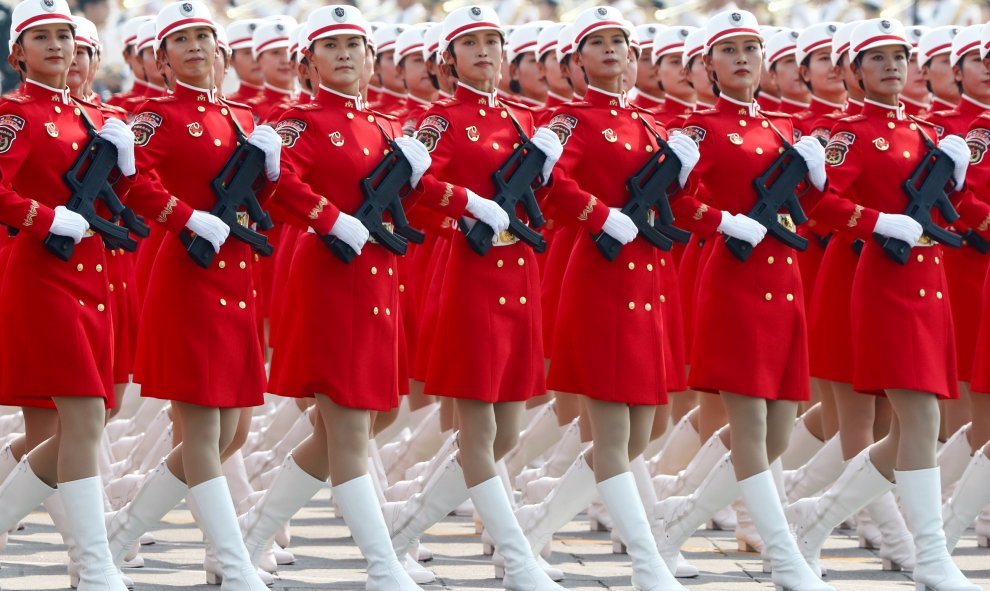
{"x":265,"y":138}
{"x":958,"y":150}
{"x":209,"y":227}
{"x":69,"y":223}
{"x":417,"y":155}
{"x":487,"y":212}
{"x":620,"y":226}
{"x":814,"y":156}
{"x":547,"y":142}
{"x":742,"y":227}
{"x":687,"y":152}
{"x":349,"y":229}
{"x":120,"y":135}
{"x":899,"y":226}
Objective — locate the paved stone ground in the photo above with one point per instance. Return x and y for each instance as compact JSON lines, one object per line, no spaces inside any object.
{"x":327,"y":559}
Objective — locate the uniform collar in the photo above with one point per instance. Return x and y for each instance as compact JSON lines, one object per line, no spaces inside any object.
{"x":603,"y":98}
{"x":200,"y":94}
{"x":873,"y":108}
{"x":445,"y":95}
{"x":153,"y":89}
{"x":854,"y":107}
{"x":969,"y":105}
{"x":944,"y":104}
{"x":331,"y":98}
{"x":672,"y":103}
{"x":820,"y":106}
{"x":472,"y":95}
{"x":703,"y":106}
{"x":918,"y":104}
{"x":528,"y":101}
{"x":554,"y":99}
{"x":653,"y":101}
{"x":278,"y":93}
{"x":791,"y":107}
{"x":252,"y":86}
{"x":39,"y":90}
{"x":398,"y":95}
{"x":729,"y":103}
{"x":415,"y":100}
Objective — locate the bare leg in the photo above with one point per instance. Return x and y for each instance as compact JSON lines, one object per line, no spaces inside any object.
{"x":487,"y":432}
{"x":660,"y":417}
{"x":956,"y":412}
{"x":446,"y":414}
{"x":80,"y":429}
{"x":40,"y":424}
{"x":240,"y":434}
{"x":118,"y":396}
{"x":915,"y":413}
{"x":749,"y":419}
{"x":346,"y":438}
{"x":383,"y":420}
{"x":568,"y":408}
{"x":205,"y":432}
{"x":417,"y":399}
{"x":682,"y":403}
{"x":780,"y":423}
{"x":830,"y":412}
{"x":712,"y":415}
{"x":979,"y":433}
{"x":856,"y":418}
{"x":509,"y":423}
{"x":813,"y":421}
{"x":613,"y":425}
{"x":312,"y":454}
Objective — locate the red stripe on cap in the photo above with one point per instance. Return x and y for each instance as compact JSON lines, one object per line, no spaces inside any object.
{"x":42,"y":17}
{"x":962,"y":50}
{"x":932,"y":51}
{"x":241,"y":40}
{"x":183,"y":23}
{"x":546,"y":47}
{"x":433,"y":48}
{"x":781,"y":53}
{"x":601,"y":25}
{"x":461,"y":30}
{"x":816,"y":45}
{"x":328,"y":28}
{"x":695,"y":50}
{"x":383,"y":46}
{"x":667,"y":48}
{"x":85,"y":40}
{"x":566,"y":48}
{"x":727,"y":32}
{"x":143,"y":42}
{"x":523,"y":46}
{"x":842,"y":48}
{"x":262,"y":47}
{"x":130,"y":40}
{"x":412,"y":48}
{"x":860,"y":47}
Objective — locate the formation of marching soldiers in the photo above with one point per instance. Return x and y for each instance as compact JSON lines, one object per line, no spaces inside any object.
{"x":772,"y":241}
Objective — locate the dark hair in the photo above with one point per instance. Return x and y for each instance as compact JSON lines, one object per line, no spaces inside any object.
{"x":806,"y":62}
{"x":514,"y":85}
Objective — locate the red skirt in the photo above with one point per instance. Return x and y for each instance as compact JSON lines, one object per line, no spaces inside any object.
{"x":58,"y":324}
{"x":146,"y":254}
{"x":431,"y":307}
{"x":675,"y":360}
{"x":750,"y":336}
{"x":965,"y":270}
{"x":557,"y":258}
{"x":810,"y":260}
{"x":198,"y":341}
{"x":609,"y":342}
{"x":489,"y":343}
{"x":688,"y":280}
{"x":282,"y":261}
{"x":117,"y":269}
{"x":902,"y":324}
{"x":829,"y":319}
{"x":340,"y":328}
{"x":980,"y":382}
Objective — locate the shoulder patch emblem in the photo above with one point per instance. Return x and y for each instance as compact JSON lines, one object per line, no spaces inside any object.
{"x":430,"y":131}
{"x":694,"y":132}
{"x":144,"y":126}
{"x":939,"y":131}
{"x":838,"y":147}
{"x":290,"y":130}
{"x":978,"y":140}
{"x":9,"y":126}
{"x":563,"y":126}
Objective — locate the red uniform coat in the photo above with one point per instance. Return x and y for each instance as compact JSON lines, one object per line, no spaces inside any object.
{"x":245,"y":92}
{"x":965,"y":268}
{"x":978,"y":183}
{"x":488,"y":344}
{"x":339,"y":332}
{"x":390,"y":103}
{"x":198,"y":340}
{"x":750,"y":334}
{"x":901,"y":320}
{"x":264,"y":103}
{"x":609,"y":333}
{"x":57,"y":315}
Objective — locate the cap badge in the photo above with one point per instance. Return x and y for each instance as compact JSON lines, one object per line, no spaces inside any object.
{"x":602,"y":12}
{"x":885,"y":25}
{"x":187,"y":8}
{"x":476,"y":13}
{"x":339,"y":14}
{"x":736,"y":17}
{"x":48,"y":5}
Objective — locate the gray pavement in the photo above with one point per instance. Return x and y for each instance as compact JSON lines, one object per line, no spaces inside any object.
{"x":326,"y":558}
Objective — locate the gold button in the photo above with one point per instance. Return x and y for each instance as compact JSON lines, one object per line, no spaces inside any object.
{"x":663,"y":299}
{"x":100,"y":307}
{"x":402,"y":288}
{"x":82,"y":303}
{"x":515,"y":145}
{"x":242,"y":264}
{"x":384,"y":152}
{"x":257,"y":258}
{"x":649,"y":266}
{"x":217,"y":142}
{"x":790,"y":297}
{"x":632,"y":305}
{"x":222,"y":264}
{"x":647,"y":307}
{"x":57,"y":109}
{"x":388,"y":312}
{"x":628,"y":146}
{"x":635,"y":115}
{"x":371,"y":118}
{"x":75,"y":146}
{"x":907,"y":154}
{"x":76,"y":111}
{"x":765,"y":124}
{"x":495,"y":145}
{"x":79,"y":267}
{"x":770,"y":260}
{"x":742,"y":123}
{"x":366,"y":151}
{"x":790,"y":261}
{"x":375,"y":311}
{"x":522,"y":300}
{"x":913,"y":127}
{"x":937,"y":260}
{"x":938,"y":294}
{"x":632,"y":266}
{"x":520,"y":261}
{"x":663,"y":262}
{"x":113,"y":252}
{"x":390,"y":272}
{"x":99,"y":268}
{"x":254,"y":293}
{"x":374,"y":270}
{"x":921,"y":292}
{"x":501,"y":301}
{"x":649,"y":149}
{"x":780,"y":150}
{"x":111,"y":287}
{"x":504,"y":114}
{"x":201,"y":109}
{"x":759,"y":150}
{"x":242,"y":305}
{"x":891,"y":124}
{"x":921,"y":258}
{"x":350,"y":115}
{"x":482,"y":112}
{"x":124,"y":284}
{"x":768,"y":296}
{"x":223,"y":111}
{"x":614,"y":112}
{"x":500,"y":263}
{"x":223,"y":302}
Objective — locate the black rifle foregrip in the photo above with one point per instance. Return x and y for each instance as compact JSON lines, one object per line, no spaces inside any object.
{"x":60,"y":246}
{"x":607,"y":245}
{"x":339,"y":248}
{"x":898,"y":250}
{"x":739,"y":248}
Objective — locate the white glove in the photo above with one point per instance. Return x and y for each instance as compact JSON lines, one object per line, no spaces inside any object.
{"x":487,"y":212}
{"x":620,"y":226}
{"x":899,"y":226}
{"x":120,"y":135}
{"x":209,"y":227}
{"x":547,"y":142}
{"x":687,"y":152}
{"x":814,"y":156}
{"x":742,"y":227}
{"x":69,"y":223}
{"x":958,"y":150}
{"x":351,"y":231}
{"x":265,"y":138}
{"x":417,"y":155}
